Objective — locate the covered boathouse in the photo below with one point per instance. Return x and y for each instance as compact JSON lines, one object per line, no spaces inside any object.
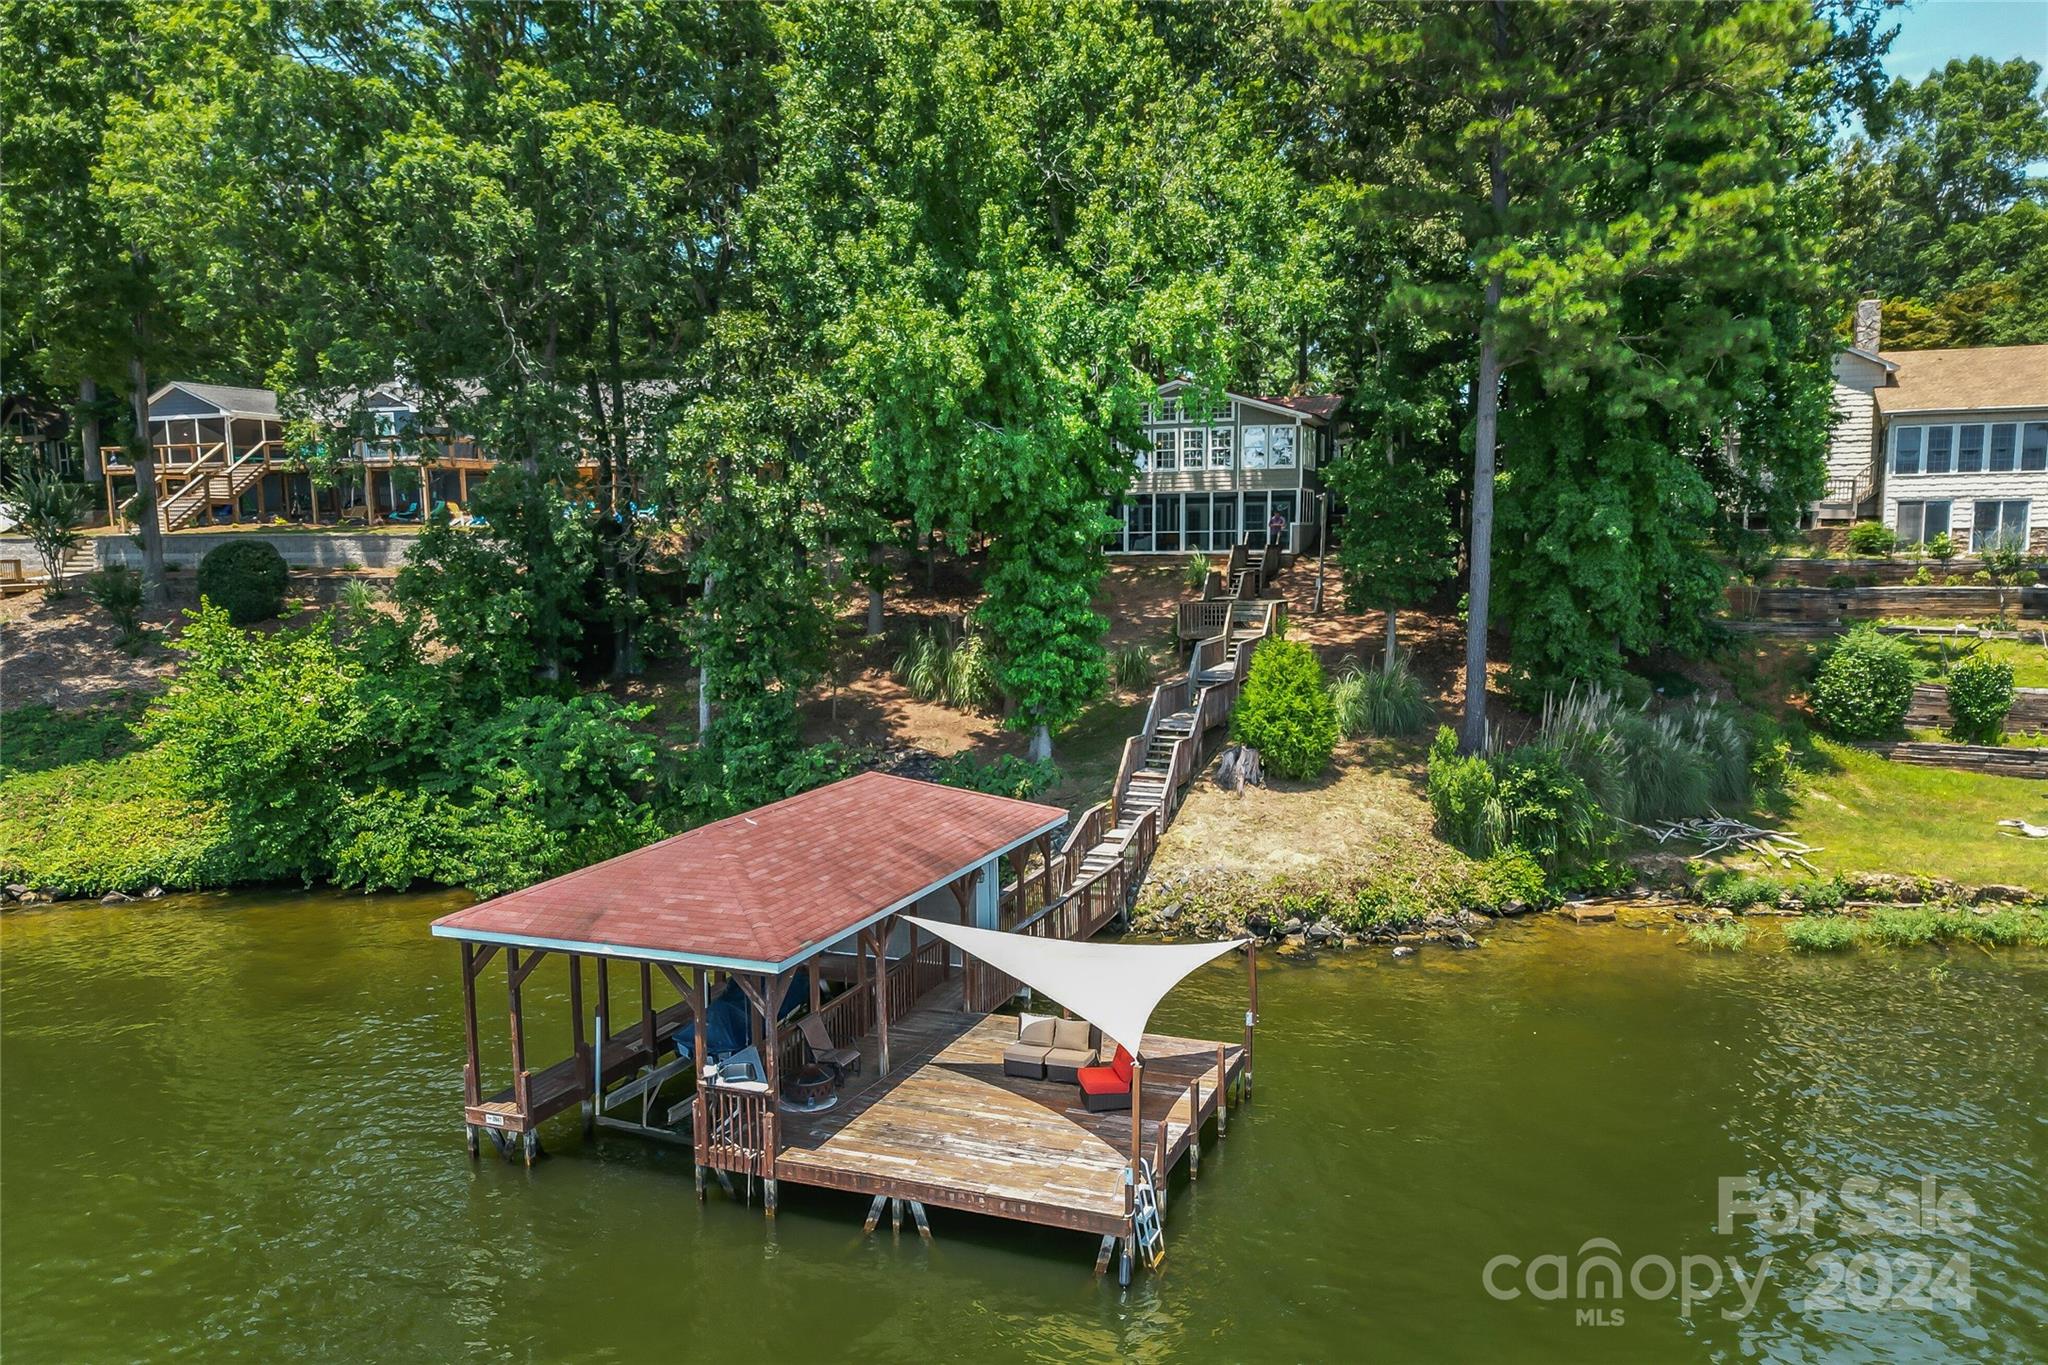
{"x":793,"y":1023}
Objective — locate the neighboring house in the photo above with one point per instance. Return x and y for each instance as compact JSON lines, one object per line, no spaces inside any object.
{"x":37,"y":435}
{"x":1208,"y":480}
{"x":1932,"y":441}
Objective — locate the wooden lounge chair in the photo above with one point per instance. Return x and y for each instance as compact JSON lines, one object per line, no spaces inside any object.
{"x":1074,"y":1046}
{"x":1107,"y":1087}
{"x":1026,"y":1056}
{"x":839,"y":1060}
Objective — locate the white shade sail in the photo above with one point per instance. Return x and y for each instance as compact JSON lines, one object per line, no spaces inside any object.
{"x":1114,"y":986}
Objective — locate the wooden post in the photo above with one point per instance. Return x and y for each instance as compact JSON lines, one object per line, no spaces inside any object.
{"x":462,"y":485}
{"x":513,"y":976}
{"x":426,"y":492}
{"x":811,"y":973}
{"x":700,"y":1135}
{"x":472,"y":1082}
{"x":604,"y":998}
{"x":1251,"y":1014}
{"x":647,"y":1011}
{"x":1137,"y":1122}
{"x":881,"y":940}
{"x":775,"y":985}
{"x":1222,"y":1095}
{"x":578,"y":1046}
{"x":369,"y":486}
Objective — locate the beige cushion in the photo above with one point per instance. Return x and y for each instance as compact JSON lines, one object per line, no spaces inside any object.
{"x":1073,"y":1035}
{"x":1025,"y":1052}
{"x":1036,"y":1029}
{"x":1071,"y":1057}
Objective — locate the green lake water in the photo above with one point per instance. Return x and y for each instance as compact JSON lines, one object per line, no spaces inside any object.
{"x":230,"y":1126}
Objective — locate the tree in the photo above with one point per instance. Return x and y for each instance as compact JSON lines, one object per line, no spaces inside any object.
{"x":1398,"y":545}
{"x":1594,"y":161}
{"x":49,"y":509}
{"x":1943,"y":211}
{"x":996,"y":257}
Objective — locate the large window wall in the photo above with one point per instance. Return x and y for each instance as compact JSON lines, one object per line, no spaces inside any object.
{"x":1208,"y":523}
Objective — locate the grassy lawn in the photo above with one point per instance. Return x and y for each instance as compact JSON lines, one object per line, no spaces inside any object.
{"x":2029,"y":661}
{"x":1868,"y":814}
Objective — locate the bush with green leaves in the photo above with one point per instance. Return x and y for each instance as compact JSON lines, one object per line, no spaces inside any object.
{"x":1980,"y":695}
{"x":1284,"y":710}
{"x":1525,"y":797}
{"x":244,"y":578}
{"x":1003,"y":775}
{"x":1643,"y":766}
{"x":117,"y":591}
{"x":1865,"y":685}
{"x":1872,"y":539}
{"x":1379,"y":701}
{"x":1718,"y":935}
{"x":1195,"y":573}
{"x":341,"y":754}
{"x":48,"y":511}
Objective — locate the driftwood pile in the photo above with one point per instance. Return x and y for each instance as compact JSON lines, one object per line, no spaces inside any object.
{"x":1718,"y":833}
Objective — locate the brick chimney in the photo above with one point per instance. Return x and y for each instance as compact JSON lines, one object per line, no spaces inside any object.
{"x":1869,"y":323}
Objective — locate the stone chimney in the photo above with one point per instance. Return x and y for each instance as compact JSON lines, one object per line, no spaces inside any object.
{"x":1869,"y":323}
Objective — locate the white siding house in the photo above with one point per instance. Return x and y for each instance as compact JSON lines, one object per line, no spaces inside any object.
{"x":1206,"y":479}
{"x":1932,"y":441}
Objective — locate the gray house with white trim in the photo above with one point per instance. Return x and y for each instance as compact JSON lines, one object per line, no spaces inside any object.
{"x":1205,"y":479}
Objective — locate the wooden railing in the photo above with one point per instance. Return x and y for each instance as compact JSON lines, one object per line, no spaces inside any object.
{"x":739,"y":1129}
{"x":1199,"y":620}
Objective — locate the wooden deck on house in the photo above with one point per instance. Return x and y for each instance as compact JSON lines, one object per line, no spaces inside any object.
{"x":948,"y":1129}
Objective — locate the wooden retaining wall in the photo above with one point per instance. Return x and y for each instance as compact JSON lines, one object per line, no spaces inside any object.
{"x":1838,"y":604}
{"x":1970,"y":758}
{"x":2029,"y":714}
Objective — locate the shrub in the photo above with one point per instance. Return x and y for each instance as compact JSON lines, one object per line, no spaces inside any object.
{"x":244,"y":578}
{"x":1285,"y":712}
{"x":1379,"y":701}
{"x":1004,"y":775}
{"x":1508,"y":877}
{"x":1841,"y":580}
{"x":1905,"y":926}
{"x":1980,"y":693}
{"x":1942,"y":547}
{"x":1920,"y":577}
{"x":117,"y":591}
{"x":1740,"y":891}
{"x":1195,"y":573}
{"x":48,"y":511}
{"x":1872,"y":538}
{"x":1954,"y":580}
{"x":1464,"y":796}
{"x":1642,"y":767}
{"x":1823,"y":934}
{"x":934,"y":666}
{"x":1719,"y":935}
{"x":1865,"y":685}
{"x":1131,"y":667}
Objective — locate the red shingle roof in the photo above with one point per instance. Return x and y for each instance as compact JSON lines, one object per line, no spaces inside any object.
{"x":768,"y":885}
{"x":1321,"y":405}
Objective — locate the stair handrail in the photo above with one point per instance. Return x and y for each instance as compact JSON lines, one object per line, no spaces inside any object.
{"x":205,"y":476}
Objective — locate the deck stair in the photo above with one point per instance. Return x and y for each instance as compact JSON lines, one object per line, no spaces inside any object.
{"x":213,"y":486}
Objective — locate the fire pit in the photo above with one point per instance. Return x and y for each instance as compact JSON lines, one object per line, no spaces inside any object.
{"x":810,"y":1091}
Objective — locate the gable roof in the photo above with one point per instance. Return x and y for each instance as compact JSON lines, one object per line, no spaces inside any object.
{"x":1872,"y":356}
{"x":225,"y":398}
{"x":1980,"y":378}
{"x":1318,"y":406}
{"x":763,"y":890}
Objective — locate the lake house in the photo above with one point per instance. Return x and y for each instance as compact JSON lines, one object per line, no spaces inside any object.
{"x":1207,"y":478}
{"x":1939,"y":441}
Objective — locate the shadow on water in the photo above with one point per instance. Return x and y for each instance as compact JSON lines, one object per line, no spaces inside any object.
{"x":230,"y":1124}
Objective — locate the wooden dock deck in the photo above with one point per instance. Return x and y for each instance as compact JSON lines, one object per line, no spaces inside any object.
{"x":948,"y":1129}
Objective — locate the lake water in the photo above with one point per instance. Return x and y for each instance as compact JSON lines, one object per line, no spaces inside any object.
{"x":230,"y":1126}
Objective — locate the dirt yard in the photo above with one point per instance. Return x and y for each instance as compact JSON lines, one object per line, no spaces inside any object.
{"x":63,"y":654}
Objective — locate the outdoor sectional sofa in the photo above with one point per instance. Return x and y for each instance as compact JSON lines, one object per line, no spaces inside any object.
{"x":1051,"y":1049}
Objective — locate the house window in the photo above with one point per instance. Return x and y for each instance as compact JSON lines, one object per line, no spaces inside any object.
{"x":1920,"y":522}
{"x":1166,"y":522}
{"x":1995,"y":522}
{"x":1905,"y":450}
{"x":1220,"y":447}
{"x":1940,"y":449}
{"x":1166,"y":457}
{"x":1169,"y":409}
{"x":1254,"y":448}
{"x":2002,"y":442}
{"x":2034,"y":447}
{"x":1143,"y":458}
{"x":1222,"y":521}
{"x":1969,"y":450}
{"x":1138,"y":525}
{"x":1280,"y":452}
